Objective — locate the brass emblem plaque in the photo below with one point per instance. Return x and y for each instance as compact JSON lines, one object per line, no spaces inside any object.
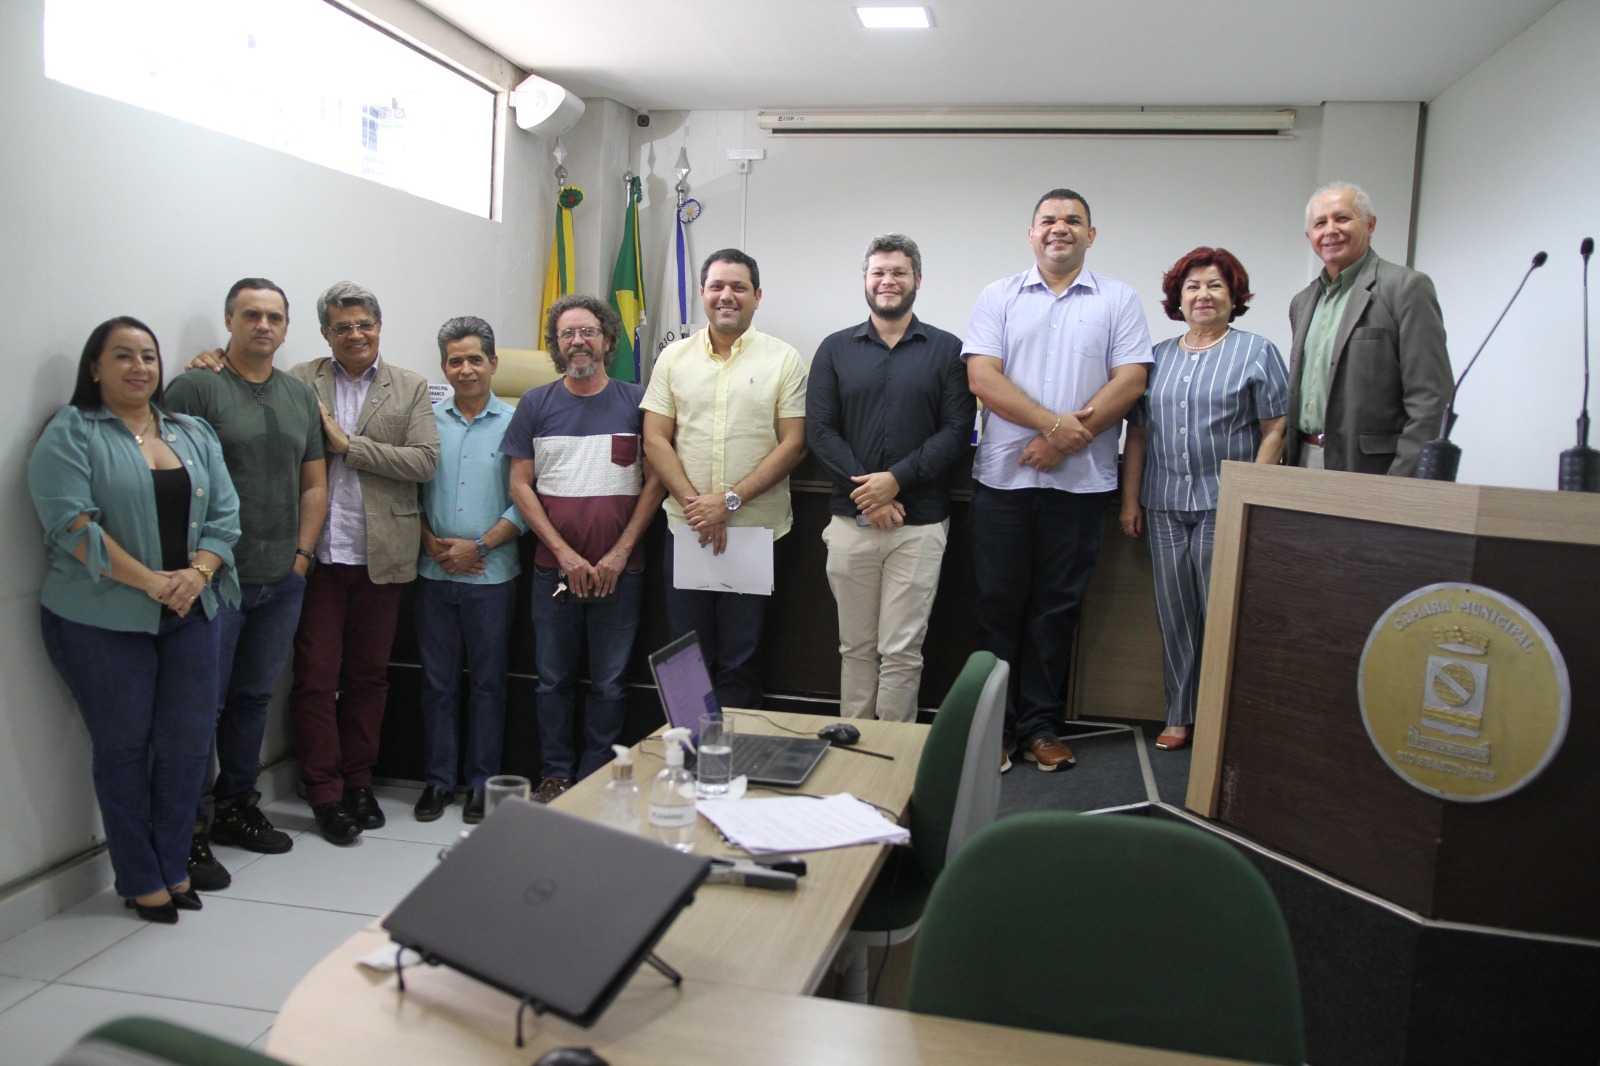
{"x":1463,"y":692}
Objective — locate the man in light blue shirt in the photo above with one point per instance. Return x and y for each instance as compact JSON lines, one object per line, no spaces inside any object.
{"x":1057,"y":354}
{"x":466,"y":579}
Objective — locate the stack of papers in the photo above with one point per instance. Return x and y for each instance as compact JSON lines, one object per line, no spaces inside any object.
{"x":801,"y":823}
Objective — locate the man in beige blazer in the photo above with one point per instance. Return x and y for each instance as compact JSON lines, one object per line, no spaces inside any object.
{"x":381,"y":442}
{"x":1369,"y":376}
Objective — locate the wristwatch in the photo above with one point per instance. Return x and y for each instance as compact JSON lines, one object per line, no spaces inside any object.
{"x":483,"y":549}
{"x":731,"y":500}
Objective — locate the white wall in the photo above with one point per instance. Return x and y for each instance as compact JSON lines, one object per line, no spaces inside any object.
{"x":1511,"y":166}
{"x":814,"y":202}
{"x":106,"y":209}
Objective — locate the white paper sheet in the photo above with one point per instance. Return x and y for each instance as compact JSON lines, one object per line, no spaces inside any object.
{"x":746,"y":565}
{"x":801,"y":823}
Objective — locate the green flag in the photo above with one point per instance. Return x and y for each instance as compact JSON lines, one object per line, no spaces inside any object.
{"x":627,"y":291}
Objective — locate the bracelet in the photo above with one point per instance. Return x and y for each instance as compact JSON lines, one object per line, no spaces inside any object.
{"x":1050,"y":437}
{"x":206,"y":573}
{"x":308,"y":555}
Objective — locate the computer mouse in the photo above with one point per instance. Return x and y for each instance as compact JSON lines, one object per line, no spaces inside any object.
{"x":839,"y":733}
{"x":569,"y":1056}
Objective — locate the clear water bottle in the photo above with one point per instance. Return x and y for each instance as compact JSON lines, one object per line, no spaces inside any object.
{"x":619,"y":799}
{"x":672,"y":811}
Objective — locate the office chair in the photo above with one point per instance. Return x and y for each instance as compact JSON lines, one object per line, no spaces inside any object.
{"x":1158,"y":934}
{"x":956,"y":793}
{"x":149,"y":1041}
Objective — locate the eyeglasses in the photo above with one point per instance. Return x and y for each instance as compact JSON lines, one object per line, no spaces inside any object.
{"x":344,"y":329}
{"x":588,"y":333}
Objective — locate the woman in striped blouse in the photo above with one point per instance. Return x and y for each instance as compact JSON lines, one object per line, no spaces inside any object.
{"x":1216,"y":393}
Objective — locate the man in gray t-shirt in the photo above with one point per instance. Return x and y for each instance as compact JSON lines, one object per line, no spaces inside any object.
{"x":271,"y":433}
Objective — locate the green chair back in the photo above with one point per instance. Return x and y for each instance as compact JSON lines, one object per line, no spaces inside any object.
{"x":146,"y":1040}
{"x":1116,"y":927}
{"x":934,"y":793}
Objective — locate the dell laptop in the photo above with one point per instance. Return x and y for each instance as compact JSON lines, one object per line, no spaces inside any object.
{"x":547,"y":907}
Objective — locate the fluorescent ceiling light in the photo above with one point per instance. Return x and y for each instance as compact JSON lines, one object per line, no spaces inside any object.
{"x":894,"y":18}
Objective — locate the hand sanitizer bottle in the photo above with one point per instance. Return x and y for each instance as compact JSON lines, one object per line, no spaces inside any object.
{"x":619,"y":799}
{"x":672,"y":811}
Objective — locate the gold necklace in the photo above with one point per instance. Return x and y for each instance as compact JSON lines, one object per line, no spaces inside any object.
{"x":138,"y":437}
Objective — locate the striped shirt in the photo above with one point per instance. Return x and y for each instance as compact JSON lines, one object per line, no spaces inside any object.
{"x":587,"y":463}
{"x":1202,"y":408}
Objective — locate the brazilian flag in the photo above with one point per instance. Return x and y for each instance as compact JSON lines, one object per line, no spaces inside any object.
{"x":627,"y":291}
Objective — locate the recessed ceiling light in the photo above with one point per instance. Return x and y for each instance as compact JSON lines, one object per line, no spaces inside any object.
{"x":894,"y":18}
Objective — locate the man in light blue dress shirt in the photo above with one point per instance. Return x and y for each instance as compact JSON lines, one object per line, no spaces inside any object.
{"x":467,"y":576}
{"x":1057,"y":354}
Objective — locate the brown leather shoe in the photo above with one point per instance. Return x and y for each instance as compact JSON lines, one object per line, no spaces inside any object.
{"x":1005,"y":757}
{"x":1173,"y":737}
{"x":550,"y":788}
{"x":1050,"y":753}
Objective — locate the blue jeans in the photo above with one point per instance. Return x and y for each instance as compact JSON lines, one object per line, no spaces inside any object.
{"x":560,"y":631}
{"x":253,"y":644}
{"x":1033,"y":552}
{"x":452,"y":617}
{"x":149,"y":700}
{"x":729,"y":625}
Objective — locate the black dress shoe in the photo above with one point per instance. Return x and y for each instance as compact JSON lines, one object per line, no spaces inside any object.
{"x":431,"y":803}
{"x":472,"y":813}
{"x":187,"y":900}
{"x":160,"y":913}
{"x":363,"y":807}
{"x":335,"y":823}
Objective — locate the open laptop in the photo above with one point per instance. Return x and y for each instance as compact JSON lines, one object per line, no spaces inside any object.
{"x":686,"y":694}
{"x":548,"y":907}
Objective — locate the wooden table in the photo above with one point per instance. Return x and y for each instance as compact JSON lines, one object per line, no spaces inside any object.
{"x":341,"y":1015}
{"x":747,"y":956}
{"x":779,"y":941}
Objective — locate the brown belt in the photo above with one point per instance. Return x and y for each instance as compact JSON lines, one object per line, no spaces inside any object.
{"x":1313,"y":438}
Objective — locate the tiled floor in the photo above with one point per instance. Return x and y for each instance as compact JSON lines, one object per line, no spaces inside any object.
{"x":226,"y":969}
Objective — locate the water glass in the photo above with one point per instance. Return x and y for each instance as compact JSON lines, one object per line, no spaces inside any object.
{"x":498,"y":789}
{"x":714,"y":761}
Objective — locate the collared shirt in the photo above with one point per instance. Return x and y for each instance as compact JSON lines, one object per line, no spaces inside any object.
{"x":1060,"y":351}
{"x":1202,"y":408}
{"x":87,"y":462}
{"x":906,"y":410}
{"x":727,"y":413}
{"x":1321,"y":332}
{"x":471,"y":491}
{"x":344,"y":535}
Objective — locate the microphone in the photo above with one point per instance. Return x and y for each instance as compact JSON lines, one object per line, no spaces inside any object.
{"x":1580,"y":465}
{"x":1440,"y":458}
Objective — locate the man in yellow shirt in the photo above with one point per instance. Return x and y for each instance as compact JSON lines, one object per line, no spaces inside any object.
{"x":724,"y":424}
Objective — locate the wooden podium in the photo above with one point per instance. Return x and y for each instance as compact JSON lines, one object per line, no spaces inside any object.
{"x":1305,"y":563}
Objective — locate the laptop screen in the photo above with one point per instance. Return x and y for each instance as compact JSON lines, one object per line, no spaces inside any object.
{"x":685,"y":685}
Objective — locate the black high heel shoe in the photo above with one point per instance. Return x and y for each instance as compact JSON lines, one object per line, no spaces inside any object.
{"x":160,"y":913}
{"x":187,"y":900}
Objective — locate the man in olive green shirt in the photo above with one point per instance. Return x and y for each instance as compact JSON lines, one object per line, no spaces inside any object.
{"x":1369,"y":374}
{"x":271,"y":434}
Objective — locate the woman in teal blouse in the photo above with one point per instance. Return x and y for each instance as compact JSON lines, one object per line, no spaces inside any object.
{"x":140,"y":517}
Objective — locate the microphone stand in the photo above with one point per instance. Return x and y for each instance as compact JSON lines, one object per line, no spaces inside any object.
{"x":1440,"y":458}
{"x":1580,"y":465}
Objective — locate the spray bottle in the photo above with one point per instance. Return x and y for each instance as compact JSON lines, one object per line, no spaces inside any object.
{"x":619,"y":799}
{"x":672,"y":811}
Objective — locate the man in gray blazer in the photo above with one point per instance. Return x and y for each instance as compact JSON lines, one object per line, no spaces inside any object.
{"x":1369,"y":375}
{"x":381,"y":442}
